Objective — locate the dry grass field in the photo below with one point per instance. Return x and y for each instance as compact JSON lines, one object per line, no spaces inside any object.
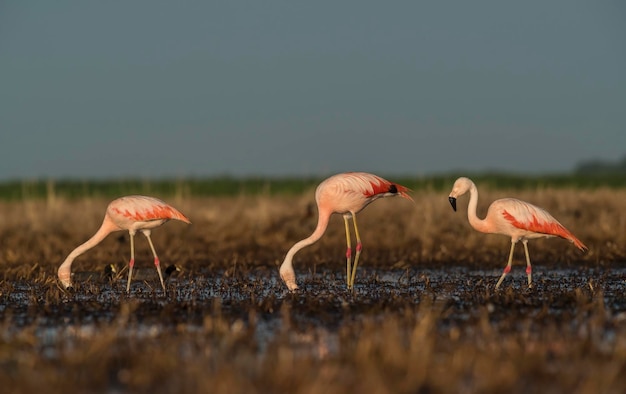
{"x":424,"y":316}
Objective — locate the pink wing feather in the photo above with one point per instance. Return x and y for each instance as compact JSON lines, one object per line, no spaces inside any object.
{"x":372,"y":185}
{"x":143,"y":208}
{"x":532,"y":218}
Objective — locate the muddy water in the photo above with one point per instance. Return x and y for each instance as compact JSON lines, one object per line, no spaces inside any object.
{"x":320,"y":306}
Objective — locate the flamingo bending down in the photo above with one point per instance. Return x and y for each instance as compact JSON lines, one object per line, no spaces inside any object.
{"x":132,"y":213}
{"x":346,"y":194}
{"x":515,"y":218}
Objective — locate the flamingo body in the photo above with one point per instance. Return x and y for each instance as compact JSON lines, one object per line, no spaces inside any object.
{"x":515,"y":218}
{"x":130,"y":213}
{"x":346,"y":194}
{"x":141,"y":213}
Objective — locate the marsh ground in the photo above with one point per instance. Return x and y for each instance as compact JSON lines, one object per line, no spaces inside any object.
{"x":424,"y":316}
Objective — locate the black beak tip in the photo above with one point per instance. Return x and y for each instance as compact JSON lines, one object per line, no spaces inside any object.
{"x":452,"y":202}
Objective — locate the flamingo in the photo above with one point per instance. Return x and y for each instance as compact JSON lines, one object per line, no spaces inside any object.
{"x":131,"y":213}
{"x":517,"y":219}
{"x":346,"y":194}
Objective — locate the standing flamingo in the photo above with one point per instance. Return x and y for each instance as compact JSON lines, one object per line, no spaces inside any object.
{"x":346,"y":194}
{"x":132,"y":213}
{"x":515,"y":218}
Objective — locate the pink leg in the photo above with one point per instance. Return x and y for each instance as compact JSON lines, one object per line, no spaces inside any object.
{"x":359,"y":248}
{"x":348,"y":252}
{"x":157,"y":264}
{"x":507,"y":269}
{"x":529,"y":268}
{"x":348,"y":261}
{"x":131,"y":262}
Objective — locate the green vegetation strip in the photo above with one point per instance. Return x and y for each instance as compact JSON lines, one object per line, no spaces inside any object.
{"x":231,"y":186}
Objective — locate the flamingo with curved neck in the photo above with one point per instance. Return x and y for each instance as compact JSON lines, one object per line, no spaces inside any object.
{"x":512,"y":217}
{"x":131,"y":213}
{"x":346,"y":194}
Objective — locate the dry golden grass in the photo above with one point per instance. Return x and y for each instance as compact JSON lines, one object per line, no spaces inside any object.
{"x":229,"y":326}
{"x":258,"y":230}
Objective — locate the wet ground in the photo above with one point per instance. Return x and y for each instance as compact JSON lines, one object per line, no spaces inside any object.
{"x":256,"y":311}
{"x":191,"y":295}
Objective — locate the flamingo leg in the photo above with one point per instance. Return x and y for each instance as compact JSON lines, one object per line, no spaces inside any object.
{"x":359,"y":247}
{"x":348,"y":251}
{"x":529,"y":268}
{"x":131,"y":262}
{"x":156,"y":258}
{"x":508,"y":265}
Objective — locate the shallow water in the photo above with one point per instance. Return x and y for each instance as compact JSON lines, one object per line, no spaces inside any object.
{"x":422,"y":329}
{"x":315,"y":311}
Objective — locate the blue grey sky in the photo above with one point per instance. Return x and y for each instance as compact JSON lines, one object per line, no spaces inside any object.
{"x":201,"y":88}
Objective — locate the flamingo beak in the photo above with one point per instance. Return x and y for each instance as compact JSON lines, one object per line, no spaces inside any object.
{"x":452,"y":202}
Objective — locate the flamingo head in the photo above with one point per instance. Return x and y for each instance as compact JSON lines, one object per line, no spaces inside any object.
{"x":461,"y":186}
{"x":65,"y":279}
{"x":289,"y":277}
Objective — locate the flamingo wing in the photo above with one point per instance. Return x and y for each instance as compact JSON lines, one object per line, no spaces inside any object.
{"x":372,"y":185}
{"x":529,"y":217}
{"x":143,"y":208}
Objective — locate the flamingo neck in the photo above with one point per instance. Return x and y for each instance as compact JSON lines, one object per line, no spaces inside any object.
{"x":286,"y":269}
{"x":476,"y":222}
{"x":64,"y":272}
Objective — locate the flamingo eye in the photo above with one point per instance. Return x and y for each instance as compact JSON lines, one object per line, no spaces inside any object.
{"x":393,"y":189}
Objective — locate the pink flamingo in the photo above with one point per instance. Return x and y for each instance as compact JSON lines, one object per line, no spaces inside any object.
{"x":132,"y":213}
{"x":346,"y":194}
{"x":515,"y":218}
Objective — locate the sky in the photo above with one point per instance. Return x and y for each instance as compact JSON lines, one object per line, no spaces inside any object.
{"x":161,"y":89}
